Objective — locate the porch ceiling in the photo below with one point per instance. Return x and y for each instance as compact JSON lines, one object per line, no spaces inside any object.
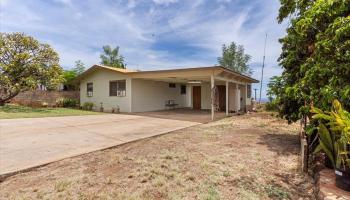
{"x":179,"y":79}
{"x":188,"y":80}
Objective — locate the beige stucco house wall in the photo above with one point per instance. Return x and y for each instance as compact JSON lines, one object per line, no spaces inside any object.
{"x":149,"y":91}
{"x":100,"y":80}
{"x":148,"y":95}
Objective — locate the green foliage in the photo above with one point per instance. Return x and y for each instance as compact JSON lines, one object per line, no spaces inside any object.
{"x":67,"y":102}
{"x":111,"y":57}
{"x":70,"y":75}
{"x":334,"y":134}
{"x":233,"y":57}
{"x":25,"y":63}
{"x":88,"y":106}
{"x":271,"y":105}
{"x":276,"y":192}
{"x":315,"y":56}
{"x":11,"y":111}
{"x":79,"y":67}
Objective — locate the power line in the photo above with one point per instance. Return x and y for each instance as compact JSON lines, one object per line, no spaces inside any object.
{"x":262,"y":69}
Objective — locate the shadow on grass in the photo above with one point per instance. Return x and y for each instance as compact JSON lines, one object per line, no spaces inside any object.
{"x":282,"y":144}
{"x":23,"y":109}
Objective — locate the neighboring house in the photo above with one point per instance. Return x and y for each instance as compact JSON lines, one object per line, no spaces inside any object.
{"x":141,"y":91}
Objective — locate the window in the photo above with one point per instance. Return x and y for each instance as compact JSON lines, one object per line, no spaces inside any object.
{"x":183,"y":89}
{"x":117,"y":88}
{"x":249,"y":91}
{"x":172,"y":85}
{"x":89,"y":89}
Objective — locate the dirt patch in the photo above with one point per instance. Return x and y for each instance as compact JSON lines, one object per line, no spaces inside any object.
{"x":243,"y":157}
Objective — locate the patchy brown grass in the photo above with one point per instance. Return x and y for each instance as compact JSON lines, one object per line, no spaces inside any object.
{"x":244,"y":157}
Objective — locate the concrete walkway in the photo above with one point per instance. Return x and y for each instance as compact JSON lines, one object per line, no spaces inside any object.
{"x":26,"y":143}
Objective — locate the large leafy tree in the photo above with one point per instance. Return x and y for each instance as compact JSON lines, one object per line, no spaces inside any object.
{"x":26,"y":63}
{"x":315,"y":56}
{"x":233,"y":57}
{"x":111,"y":57}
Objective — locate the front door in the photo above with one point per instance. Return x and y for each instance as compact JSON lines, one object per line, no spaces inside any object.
{"x":196,"y":97}
{"x":222,"y":97}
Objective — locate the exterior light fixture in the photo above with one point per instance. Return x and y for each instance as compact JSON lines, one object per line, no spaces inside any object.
{"x":194,"y":82}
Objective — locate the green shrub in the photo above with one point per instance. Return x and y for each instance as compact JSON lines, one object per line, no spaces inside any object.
{"x":334,"y":134}
{"x":271,"y":105}
{"x":88,"y":106}
{"x":67,"y":102}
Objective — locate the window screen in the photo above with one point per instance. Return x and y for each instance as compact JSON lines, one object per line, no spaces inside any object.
{"x":249,"y":91}
{"x":117,"y":88}
{"x":89,"y":89}
{"x":183,"y":89}
{"x":172,"y":85}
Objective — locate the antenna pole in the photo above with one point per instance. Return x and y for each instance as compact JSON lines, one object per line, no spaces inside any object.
{"x":262,"y":69}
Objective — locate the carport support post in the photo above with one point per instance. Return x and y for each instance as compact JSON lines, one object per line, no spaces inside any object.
{"x":226,"y":98}
{"x":212,"y":82}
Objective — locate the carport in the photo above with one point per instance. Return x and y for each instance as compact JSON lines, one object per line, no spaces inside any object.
{"x":216,"y":89}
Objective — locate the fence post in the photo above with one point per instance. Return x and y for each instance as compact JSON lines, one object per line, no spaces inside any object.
{"x":304,"y":145}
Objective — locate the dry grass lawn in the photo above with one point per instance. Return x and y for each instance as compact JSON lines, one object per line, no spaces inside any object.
{"x":253,"y":156}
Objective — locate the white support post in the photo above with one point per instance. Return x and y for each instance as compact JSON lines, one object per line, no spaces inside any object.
{"x":246,"y":97}
{"x":227,"y":98}
{"x":212,"y":82}
{"x":130,"y":95}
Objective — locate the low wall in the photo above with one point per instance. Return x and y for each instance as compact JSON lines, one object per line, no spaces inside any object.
{"x":40,"y":97}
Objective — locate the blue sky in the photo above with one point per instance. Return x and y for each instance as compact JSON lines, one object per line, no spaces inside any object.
{"x":152,"y":34}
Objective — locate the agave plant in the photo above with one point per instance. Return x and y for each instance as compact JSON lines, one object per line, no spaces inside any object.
{"x":334,"y":134}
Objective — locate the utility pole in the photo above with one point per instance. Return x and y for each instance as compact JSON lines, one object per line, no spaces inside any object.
{"x":262,"y":69}
{"x":255,"y":94}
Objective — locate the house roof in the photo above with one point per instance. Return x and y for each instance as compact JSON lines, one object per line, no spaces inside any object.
{"x":114,"y":68}
{"x":134,"y":72}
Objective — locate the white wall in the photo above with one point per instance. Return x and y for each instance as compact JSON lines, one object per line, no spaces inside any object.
{"x":249,"y":100}
{"x":100,"y":80}
{"x":231,"y":96}
{"x":148,"y":95}
{"x":189,"y":96}
{"x":205,"y":96}
{"x":243,"y":90}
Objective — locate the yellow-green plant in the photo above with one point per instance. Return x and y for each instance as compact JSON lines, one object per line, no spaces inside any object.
{"x":88,"y":106}
{"x":334,"y":134}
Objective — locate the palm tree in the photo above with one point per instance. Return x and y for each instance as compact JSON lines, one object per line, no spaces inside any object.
{"x":111,"y":57}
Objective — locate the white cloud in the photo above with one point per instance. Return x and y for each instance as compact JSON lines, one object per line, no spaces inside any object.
{"x":78,"y":31}
{"x":164,"y":2}
{"x":3,"y":2}
{"x":65,"y":2}
{"x":131,"y":4}
{"x":224,"y":1}
{"x":78,"y":15}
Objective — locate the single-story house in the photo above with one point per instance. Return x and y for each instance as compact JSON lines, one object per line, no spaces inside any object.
{"x":214,"y":88}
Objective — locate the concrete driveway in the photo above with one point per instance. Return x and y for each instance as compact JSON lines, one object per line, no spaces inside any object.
{"x":26,"y":143}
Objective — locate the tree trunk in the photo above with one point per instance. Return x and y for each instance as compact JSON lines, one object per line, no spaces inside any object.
{"x":7,"y":99}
